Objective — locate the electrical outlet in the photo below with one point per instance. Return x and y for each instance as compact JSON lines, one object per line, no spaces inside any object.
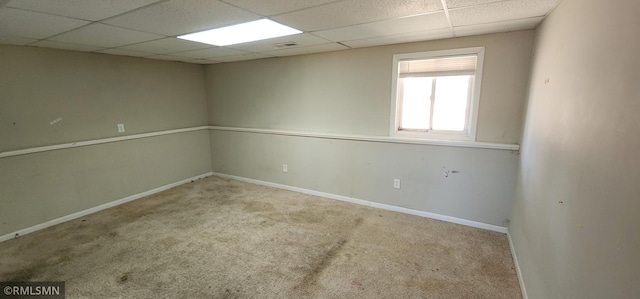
{"x":285,"y":168}
{"x":120,"y":128}
{"x":396,"y":183}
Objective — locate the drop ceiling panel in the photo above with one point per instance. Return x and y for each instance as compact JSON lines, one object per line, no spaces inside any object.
{"x":401,"y":38}
{"x":169,"y":57}
{"x":18,"y":41}
{"x":352,"y":12}
{"x":273,"y":7}
{"x":144,"y":28}
{"x":166,"y":46}
{"x":178,"y":17}
{"x":211,"y":53}
{"x":34,"y":25}
{"x":65,"y":46}
{"x":124,"y":53}
{"x":202,"y":61}
{"x":106,"y":36}
{"x":522,"y":24}
{"x":248,"y":56}
{"x":304,"y":39}
{"x":308,"y":50}
{"x":464,"y":3}
{"x":423,"y":22}
{"x":500,"y":11}
{"x":92,"y":10}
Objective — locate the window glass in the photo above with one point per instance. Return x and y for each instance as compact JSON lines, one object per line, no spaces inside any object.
{"x":450,"y":107}
{"x":415,"y":103}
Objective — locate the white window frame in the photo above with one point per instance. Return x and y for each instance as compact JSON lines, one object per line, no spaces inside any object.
{"x":469,"y":134}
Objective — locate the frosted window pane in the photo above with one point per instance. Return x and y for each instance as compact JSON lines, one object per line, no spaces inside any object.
{"x":450,"y":105}
{"x":416,"y":103}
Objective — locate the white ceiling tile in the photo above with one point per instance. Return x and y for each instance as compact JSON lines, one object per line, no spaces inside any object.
{"x":500,"y":11}
{"x":105,"y":36}
{"x":352,"y":12}
{"x":304,"y":39}
{"x":168,"y":57}
{"x":178,"y":17}
{"x":248,"y":56}
{"x":123,"y":53}
{"x":308,"y":50}
{"x":92,"y":10}
{"x":202,"y":61}
{"x":423,"y":22}
{"x":513,"y":25}
{"x":166,"y":46}
{"x":354,"y":23}
{"x":211,"y":53}
{"x":464,"y":3}
{"x":18,"y":41}
{"x":401,"y":38}
{"x":273,"y":7}
{"x":34,"y":25}
{"x":65,"y":46}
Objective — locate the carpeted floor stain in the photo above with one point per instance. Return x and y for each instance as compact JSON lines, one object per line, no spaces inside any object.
{"x":317,"y":267}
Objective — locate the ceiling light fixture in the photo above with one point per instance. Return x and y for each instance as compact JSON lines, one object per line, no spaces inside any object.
{"x":241,"y":33}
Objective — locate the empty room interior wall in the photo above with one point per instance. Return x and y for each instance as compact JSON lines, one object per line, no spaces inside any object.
{"x":575,"y":221}
{"x":349,"y":93}
{"x":50,"y":97}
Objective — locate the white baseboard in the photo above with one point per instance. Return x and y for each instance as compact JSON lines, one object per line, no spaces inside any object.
{"x":518,"y":272}
{"x":466,"y":222}
{"x":98,"y":208}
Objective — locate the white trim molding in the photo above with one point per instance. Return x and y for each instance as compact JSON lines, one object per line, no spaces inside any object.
{"x":383,"y":139}
{"x":367,"y":203}
{"x":96,"y":141}
{"x":110,"y":204}
{"x":523,"y":289}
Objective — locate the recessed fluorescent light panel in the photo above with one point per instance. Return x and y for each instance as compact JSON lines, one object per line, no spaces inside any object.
{"x":241,"y":33}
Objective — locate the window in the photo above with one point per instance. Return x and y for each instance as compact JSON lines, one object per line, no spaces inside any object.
{"x":435,"y":94}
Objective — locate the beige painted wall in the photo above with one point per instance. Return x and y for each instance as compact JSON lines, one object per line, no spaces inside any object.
{"x":349,"y":91}
{"x":91,"y":93}
{"x":575,"y":221}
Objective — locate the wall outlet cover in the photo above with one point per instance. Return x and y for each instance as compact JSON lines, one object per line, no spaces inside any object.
{"x":396,"y":183}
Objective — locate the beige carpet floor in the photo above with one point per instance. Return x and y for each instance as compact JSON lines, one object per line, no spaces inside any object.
{"x":220,"y":238}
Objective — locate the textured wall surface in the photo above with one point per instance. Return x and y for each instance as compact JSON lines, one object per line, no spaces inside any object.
{"x":575,"y":222}
{"x":52,"y":96}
